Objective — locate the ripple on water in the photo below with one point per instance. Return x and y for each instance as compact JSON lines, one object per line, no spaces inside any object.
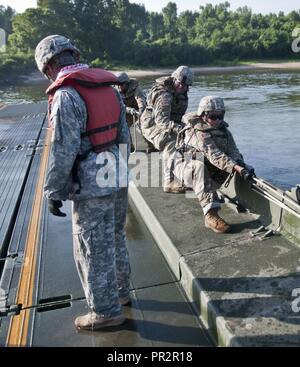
{"x":263,"y":110}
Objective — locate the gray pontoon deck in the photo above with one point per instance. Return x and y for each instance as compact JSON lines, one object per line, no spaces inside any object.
{"x":40,"y":290}
{"x":189,"y":285}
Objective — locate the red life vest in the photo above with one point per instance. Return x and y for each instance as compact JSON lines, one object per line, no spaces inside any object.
{"x":102,"y":103}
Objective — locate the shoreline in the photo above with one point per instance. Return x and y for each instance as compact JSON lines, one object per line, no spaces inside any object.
{"x":221,"y":69}
{"x":36,"y":78}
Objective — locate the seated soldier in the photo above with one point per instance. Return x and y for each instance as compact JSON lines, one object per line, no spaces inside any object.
{"x":206,"y":137}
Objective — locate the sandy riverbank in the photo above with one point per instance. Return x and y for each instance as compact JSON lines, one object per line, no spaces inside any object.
{"x":36,"y":77}
{"x":220,"y":69}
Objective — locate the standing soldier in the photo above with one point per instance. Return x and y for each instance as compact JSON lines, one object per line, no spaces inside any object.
{"x":134,"y":99}
{"x":167,"y":102}
{"x":214,"y":154}
{"x":87,"y":117}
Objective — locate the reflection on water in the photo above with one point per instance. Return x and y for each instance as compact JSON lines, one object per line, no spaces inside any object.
{"x":263,"y":110}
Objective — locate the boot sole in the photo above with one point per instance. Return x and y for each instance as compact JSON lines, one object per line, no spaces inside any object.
{"x":217,"y":231}
{"x":103,"y":325}
{"x":174,"y":192}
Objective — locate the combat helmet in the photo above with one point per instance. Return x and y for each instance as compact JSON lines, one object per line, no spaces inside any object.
{"x":211,"y":103}
{"x":122,"y":77}
{"x":51,"y":46}
{"x":183,"y":74}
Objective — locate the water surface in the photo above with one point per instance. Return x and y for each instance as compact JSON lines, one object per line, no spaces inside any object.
{"x":262,"y":109}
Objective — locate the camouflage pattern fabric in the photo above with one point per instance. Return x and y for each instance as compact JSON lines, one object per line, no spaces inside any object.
{"x":134,"y":98}
{"x":217,"y":145}
{"x":51,"y":46}
{"x":162,"y":116}
{"x":216,"y":154}
{"x":164,"y":111}
{"x":99,"y":212}
{"x":210,"y":103}
{"x":184,"y":75}
{"x":100,"y":251}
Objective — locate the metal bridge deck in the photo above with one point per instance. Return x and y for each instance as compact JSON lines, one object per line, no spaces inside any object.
{"x":39,"y":283}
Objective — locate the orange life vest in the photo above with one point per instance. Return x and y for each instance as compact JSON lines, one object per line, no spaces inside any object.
{"x":102,"y":103}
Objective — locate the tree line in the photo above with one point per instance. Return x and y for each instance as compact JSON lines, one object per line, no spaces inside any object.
{"x":120,"y":33}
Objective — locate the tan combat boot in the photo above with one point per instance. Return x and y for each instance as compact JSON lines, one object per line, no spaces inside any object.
{"x":216,"y":223}
{"x":173,"y":188}
{"x":92,"y":321}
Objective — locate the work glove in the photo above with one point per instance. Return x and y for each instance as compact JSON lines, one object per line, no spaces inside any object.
{"x":176,"y":128}
{"x":132,"y":111}
{"x":54,"y":206}
{"x":248,"y":175}
{"x":249,"y":168}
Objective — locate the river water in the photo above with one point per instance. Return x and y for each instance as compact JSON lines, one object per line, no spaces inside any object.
{"x":262,"y":109}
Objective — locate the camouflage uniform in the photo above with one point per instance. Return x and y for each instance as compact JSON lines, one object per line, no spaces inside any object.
{"x":218,"y":155}
{"x":99,"y":242}
{"x":162,"y":116}
{"x":134,"y":98}
{"x":98,"y":212}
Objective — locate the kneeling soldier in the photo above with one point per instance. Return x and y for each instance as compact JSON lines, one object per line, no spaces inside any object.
{"x":206,"y":133}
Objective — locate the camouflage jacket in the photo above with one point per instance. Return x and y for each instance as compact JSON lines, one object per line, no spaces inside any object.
{"x":164,"y":110}
{"x":216,"y":144}
{"x":68,"y":120}
{"x":134,"y":98}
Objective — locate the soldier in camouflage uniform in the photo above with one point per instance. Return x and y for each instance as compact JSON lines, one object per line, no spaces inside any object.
{"x":99,"y":212}
{"x":167,"y":102}
{"x":206,"y":137}
{"x":134,"y":99}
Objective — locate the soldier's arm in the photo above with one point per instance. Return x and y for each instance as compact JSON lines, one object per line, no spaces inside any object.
{"x":66,"y":121}
{"x":205,"y":144}
{"x":140,"y":98}
{"x":123,"y":130}
{"x":162,"y":111}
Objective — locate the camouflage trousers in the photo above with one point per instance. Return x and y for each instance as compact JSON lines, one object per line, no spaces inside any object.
{"x":100,"y":251}
{"x":199,"y":175}
{"x":169,"y":158}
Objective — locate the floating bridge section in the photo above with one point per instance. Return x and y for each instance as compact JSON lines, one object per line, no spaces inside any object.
{"x":40,"y":292}
{"x":243,"y":288}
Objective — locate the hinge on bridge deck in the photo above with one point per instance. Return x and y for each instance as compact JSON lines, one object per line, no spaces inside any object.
{"x":17,"y":256}
{"x":5,"y":309}
{"x":35,"y":147}
{"x":263,"y":233}
{"x":19,"y":147}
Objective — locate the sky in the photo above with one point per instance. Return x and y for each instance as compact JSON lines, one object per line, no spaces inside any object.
{"x":258,"y":6}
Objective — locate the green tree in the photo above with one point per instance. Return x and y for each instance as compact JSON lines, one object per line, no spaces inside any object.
{"x":155,"y":26}
{"x":118,"y":32}
{"x":6,"y":17}
{"x":170,"y":19}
